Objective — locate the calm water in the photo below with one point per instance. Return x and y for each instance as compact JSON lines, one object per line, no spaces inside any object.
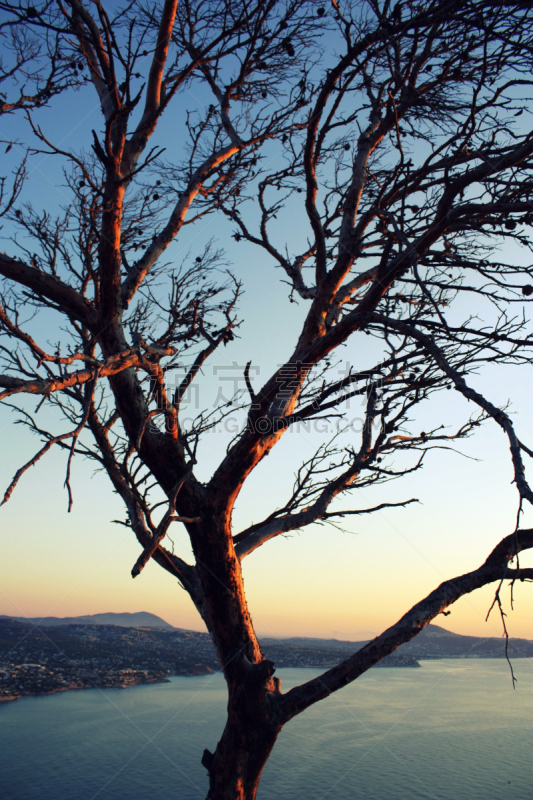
{"x":452,"y":730}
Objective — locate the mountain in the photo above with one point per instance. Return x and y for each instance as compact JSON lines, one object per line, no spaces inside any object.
{"x":432,"y":642}
{"x":42,"y":659}
{"x":432,"y":631}
{"x":436,"y":642}
{"x":111,"y":650}
{"x":138,"y":619}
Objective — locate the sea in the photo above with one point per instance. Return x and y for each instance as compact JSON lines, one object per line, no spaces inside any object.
{"x":451,"y":730}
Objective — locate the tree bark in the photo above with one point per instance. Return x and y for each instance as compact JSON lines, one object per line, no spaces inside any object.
{"x":254,"y":698}
{"x":251,"y":731}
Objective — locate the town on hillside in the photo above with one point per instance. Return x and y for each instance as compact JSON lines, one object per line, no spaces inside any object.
{"x":115,"y":650}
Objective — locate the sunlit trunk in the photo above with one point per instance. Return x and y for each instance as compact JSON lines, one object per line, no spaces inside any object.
{"x":236,"y":766}
{"x":254,"y":720}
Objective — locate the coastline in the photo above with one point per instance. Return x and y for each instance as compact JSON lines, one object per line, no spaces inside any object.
{"x":133,"y":678}
{"x":137,"y":678}
{"x":74,"y":687}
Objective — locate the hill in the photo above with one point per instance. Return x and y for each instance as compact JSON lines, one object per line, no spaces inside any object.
{"x":138,"y":619}
{"x":432,"y":642}
{"x":436,"y":642}
{"x":42,"y":659}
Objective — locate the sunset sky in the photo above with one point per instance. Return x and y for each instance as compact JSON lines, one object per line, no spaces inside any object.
{"x":323,"y":582}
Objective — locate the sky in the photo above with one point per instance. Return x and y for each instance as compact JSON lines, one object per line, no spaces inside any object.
{"x":348,"y":584}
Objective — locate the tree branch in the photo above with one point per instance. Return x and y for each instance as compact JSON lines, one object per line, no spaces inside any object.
{"x":49,"y":286}
{"x":420,"y":615}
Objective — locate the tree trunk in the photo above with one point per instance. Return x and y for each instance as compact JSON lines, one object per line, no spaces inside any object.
{"x":236,"y":766}
{"x":254,"y":712}
{"x":251,"y":731}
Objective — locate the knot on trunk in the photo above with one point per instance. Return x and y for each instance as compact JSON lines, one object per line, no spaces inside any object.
{"x":207,"y":759}
{"x":262,"y":672}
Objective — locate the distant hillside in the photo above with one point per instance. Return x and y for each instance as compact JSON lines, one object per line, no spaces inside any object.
{"x":432,"y":642}
{"x":139,"y":619}
{"x":42,"y":659}
{"x":111,"y":650}
{"x":432,"y":631}
{"x":436,"y":642}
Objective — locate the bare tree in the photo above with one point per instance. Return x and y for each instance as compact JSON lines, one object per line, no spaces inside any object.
{"x":408,"y":158}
